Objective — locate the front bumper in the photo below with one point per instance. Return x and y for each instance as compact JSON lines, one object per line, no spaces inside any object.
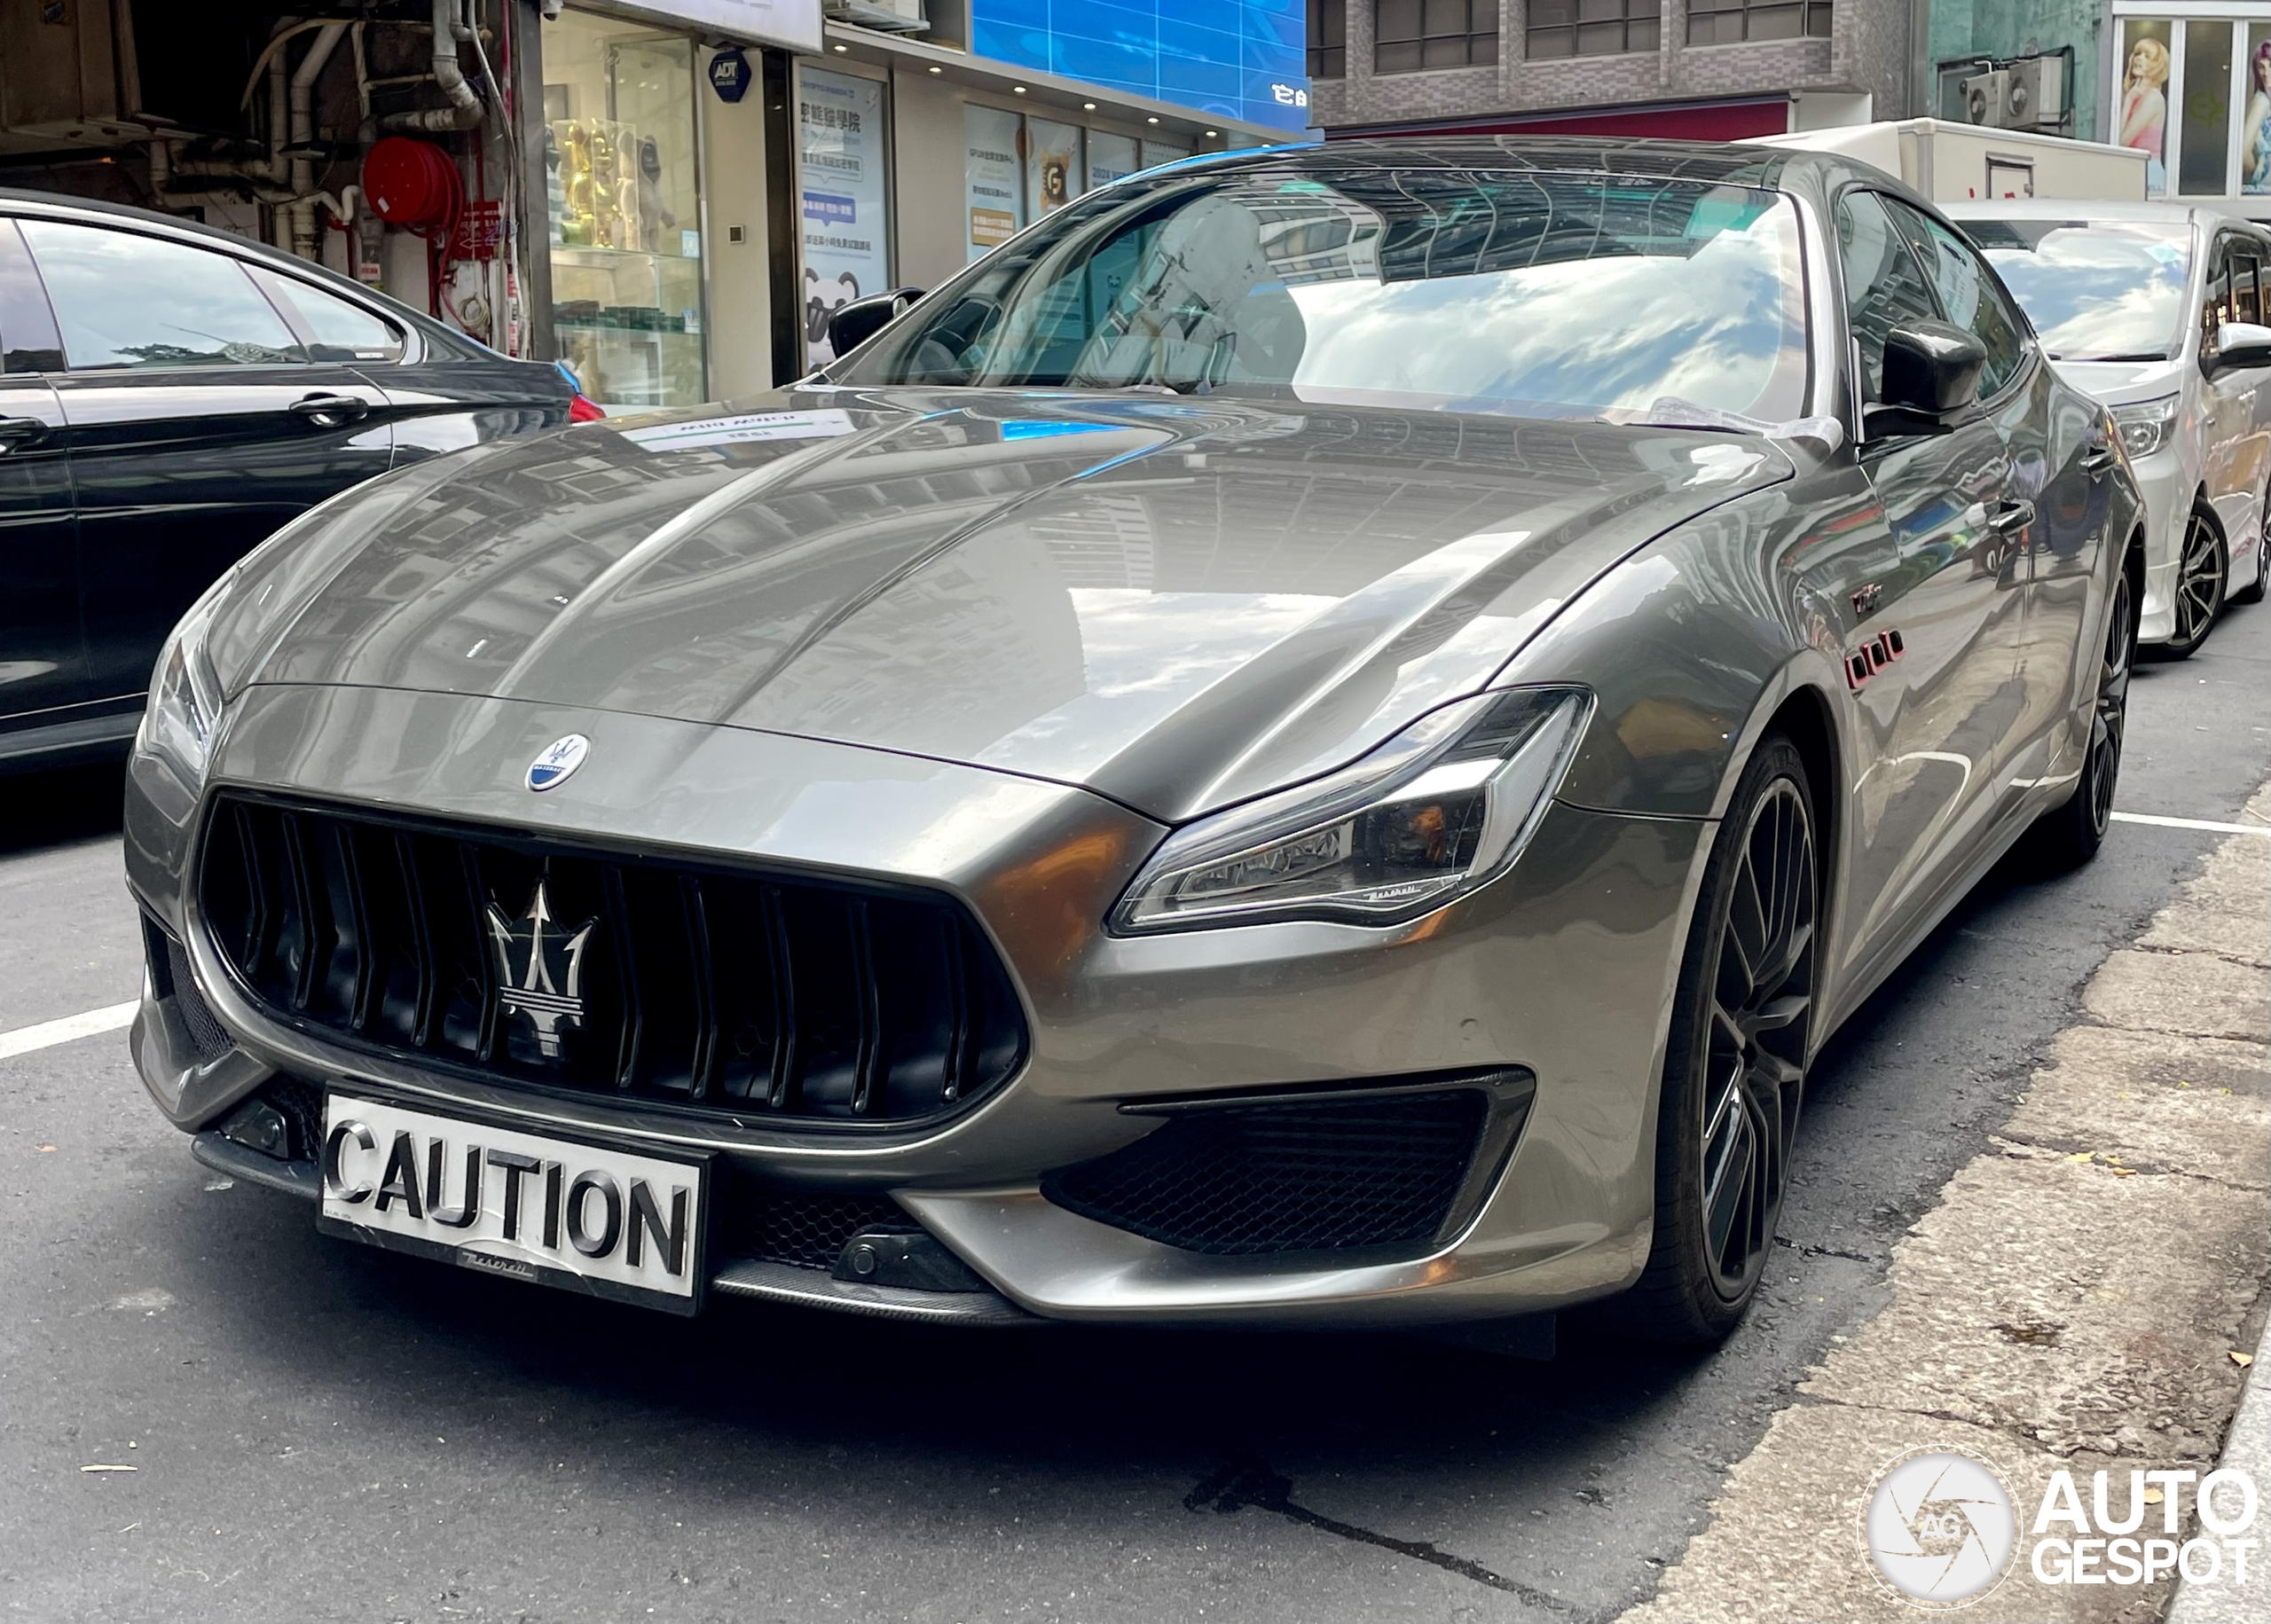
{"x":2167,"y":492}
{"x":1563,"y":969}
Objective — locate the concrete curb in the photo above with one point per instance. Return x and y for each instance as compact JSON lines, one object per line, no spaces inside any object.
{"x":2248,"y":1449}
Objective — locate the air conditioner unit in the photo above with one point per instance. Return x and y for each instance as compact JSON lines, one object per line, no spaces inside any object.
{"x":888,"y":16}
{"x":2025,"y":94}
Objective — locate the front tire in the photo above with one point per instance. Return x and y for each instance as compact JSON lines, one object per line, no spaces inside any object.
{"x":2071,"y":836}
{"x":1734,"y":1070}
{"x":2202,"y":573}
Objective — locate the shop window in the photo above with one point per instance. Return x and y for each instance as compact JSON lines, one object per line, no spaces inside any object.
{"x":1727,"y":22}
{"x":1410,"y":35}
{"x":2203,"y":143}
{"x":2141,"y":106}
{"x":623,"y":203}
{"x":841,"y":196}
{"x":2255,"y":125}
{"x":1591,"y":27}
{"x":1328,"y":37}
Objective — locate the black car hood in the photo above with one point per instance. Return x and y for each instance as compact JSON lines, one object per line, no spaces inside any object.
{"x":1178,"y":602}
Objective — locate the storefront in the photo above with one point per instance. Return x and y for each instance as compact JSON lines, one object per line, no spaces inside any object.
{"x":699,"y":228}
{"x":917,"y":155}
{"x":2191,"y":87}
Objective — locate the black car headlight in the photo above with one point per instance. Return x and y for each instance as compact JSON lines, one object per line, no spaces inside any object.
{"x":185,"y":695}
{"x":1442,"y":808}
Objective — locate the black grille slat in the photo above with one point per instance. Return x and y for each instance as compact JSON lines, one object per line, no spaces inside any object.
{"x":724,"y":990}
{"x":1309,"y":1175}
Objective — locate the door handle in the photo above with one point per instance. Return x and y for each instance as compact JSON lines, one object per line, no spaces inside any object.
{"x":2096,"y":462}
{"x":2011,"y":516}
{"x":330,"y":411}
{"x":15,"y":431}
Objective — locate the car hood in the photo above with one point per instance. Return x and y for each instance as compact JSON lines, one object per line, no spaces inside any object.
{"x":1176,"y":602}
{"x":2117,"y":382}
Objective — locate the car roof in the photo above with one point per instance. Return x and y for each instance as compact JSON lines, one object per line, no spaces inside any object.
{"x":2090,"y":209}
{"x":62,"y":206}
{"x":1711,"y":162}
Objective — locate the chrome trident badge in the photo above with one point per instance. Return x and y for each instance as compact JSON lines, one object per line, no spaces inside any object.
{"x":548,"y":986}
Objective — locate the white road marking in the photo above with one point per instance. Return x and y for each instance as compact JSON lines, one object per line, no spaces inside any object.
{"x":2168,"y":823}
{"x":70,"y":1029}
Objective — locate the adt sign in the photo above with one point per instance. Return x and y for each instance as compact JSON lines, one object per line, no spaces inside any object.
{"x":729,"y":74}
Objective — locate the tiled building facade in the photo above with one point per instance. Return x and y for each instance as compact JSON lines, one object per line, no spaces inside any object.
{"x":1855,"y":47}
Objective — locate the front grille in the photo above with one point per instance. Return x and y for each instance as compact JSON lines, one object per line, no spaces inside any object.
{"x":1308,"y":1175}
{"x":175,"y":986}
{"x":542,"y":963}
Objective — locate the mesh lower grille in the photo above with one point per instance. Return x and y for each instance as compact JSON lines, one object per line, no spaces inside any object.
{"x":797,"y":1226}
{"x":176,"y":987}
{"x":1306,"y":1176}
{"x":301,"y":1101}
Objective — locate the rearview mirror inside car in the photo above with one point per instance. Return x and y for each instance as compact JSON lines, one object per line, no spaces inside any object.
{"x":1931,"y":373}
{"x":862,"y":319}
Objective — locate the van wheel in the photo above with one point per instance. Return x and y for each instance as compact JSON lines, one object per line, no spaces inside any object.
{"x":2252,"y":592}
{"x":2200,"y":579}
{"x":1734,"y":1070}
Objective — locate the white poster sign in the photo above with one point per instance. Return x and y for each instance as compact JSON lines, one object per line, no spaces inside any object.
{"x":847,"y":246}
{"x":993,"y":176}
{"x":1111,"y":158}
{"x":1052,"y":164}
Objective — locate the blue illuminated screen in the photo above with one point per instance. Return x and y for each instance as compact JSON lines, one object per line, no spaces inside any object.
{"x":1241,"y":59}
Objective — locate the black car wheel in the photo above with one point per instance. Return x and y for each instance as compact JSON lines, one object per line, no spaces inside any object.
{"x":1734,"y":1070}
{"x":2200,"y":577}
{"x":2071,"y":836}
{"x":2252,"y":592}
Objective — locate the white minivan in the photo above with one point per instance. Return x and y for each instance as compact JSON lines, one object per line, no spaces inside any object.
{"x":2158,"y":309}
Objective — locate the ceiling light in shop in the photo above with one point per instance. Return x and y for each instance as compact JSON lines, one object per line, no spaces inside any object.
{"x":1088,"y":106}
{"x":843,"y":48}
{"x":934,"y":67}
{"x":1017,"y":89}
{"x":1150,"y":120}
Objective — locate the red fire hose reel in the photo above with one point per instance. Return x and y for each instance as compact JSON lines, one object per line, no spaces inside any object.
{"x":412,"y":184}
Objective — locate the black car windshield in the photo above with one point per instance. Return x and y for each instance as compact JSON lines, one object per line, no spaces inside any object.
{"x":2100,"y":290}
{"x":1535,"y":294}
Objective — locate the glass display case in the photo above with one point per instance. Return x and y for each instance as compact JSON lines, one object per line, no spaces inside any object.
{"x":623,"y":205}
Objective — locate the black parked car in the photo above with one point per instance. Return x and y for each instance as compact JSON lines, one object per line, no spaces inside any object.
{"x":169,"y":396}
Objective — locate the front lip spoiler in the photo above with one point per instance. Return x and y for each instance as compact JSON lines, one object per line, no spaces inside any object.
{"x":756,"y":1278}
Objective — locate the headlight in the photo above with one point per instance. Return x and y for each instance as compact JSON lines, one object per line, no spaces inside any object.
{"x":2145,"y":424}
{"x":1442,"y":808}
{"x":186,"y":697}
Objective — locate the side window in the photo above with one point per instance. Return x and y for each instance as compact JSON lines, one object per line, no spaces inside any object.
{"x":126,"y":301}
{"x":2244,"y":270}
{"x":2216,"y":294}
{"x":27,"y":341}
{"x":337,"y":330}
{"x":1883,"y":286}
{"x":1969,"y":296}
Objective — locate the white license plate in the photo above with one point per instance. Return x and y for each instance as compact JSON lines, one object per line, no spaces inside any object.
{"x":609,"y":1222}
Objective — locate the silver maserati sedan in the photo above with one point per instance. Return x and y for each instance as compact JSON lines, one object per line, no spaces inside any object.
{"x":1319,"y":739}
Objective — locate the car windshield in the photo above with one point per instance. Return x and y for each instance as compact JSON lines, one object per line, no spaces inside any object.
{"x":1533,"y":295}
{"x":2106,"y":290}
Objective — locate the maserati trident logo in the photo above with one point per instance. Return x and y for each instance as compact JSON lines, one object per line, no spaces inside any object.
{"x":560,"y":758}
{"x":540,"y":969}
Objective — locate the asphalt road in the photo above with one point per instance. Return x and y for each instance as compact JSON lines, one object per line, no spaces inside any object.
{"x":322,"y":1433}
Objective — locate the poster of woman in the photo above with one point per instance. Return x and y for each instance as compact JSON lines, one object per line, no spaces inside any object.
{"x":2142,"y":121}
{"x":2255,"y":134}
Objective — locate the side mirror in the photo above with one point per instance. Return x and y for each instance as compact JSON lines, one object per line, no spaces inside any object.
{"x":1931,"y":373}
{"x":2241,"y":343}
{"x":856,"y":322}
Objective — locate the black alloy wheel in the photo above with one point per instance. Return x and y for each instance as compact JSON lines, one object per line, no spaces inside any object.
{"x":1736,"y":1070}
{"x":2071,"y":834}
{"x":2200,"y":574}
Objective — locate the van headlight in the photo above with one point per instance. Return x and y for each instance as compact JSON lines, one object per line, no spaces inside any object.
{"x":1444,"y":807}
{"x":2144,"y":425}
{"x":185,"y":695}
